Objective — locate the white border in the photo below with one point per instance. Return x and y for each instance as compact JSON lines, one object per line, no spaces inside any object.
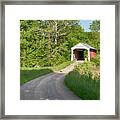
{"x":13,"y":104}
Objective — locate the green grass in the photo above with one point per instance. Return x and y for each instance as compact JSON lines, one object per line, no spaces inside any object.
{"x":30,"y":74}
{"x":61,"y":66}
{"x":84,"y":82}
{"x":27,"y":74}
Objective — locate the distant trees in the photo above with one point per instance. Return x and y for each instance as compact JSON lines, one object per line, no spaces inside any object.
{"x":91,"y":38}
{"x":49,"y":42}
{"x":95,"y":26}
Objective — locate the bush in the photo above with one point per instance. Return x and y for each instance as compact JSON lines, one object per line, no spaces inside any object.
{"x":88,"y":68}
{"x":96,"y":60}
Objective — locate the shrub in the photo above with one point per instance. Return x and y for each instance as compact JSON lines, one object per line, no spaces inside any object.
{"x":96,"y":60}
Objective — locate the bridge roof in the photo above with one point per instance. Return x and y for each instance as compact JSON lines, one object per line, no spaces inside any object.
{"x":82,"y":46}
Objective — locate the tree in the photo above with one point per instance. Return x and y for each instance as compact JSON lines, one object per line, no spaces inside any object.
{"x":49,"y":42}
{"x":95,"y":26}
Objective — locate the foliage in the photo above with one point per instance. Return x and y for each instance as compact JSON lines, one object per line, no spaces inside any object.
{"x":90,"y":69}
{"x":84,"y":81}
{"x":95,"y":26}
{"x":45,"y":43}
{"x":86,"y":55}
{"x":53,"y":68}
{"x":96,"y":60}
{"x":92,"y":39}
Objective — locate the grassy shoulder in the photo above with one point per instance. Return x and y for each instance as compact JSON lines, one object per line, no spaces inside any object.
{"x":30,"y":74}
{"x":27,"y":74}
{"x":61,"y":66}
{"x":84,"y":81}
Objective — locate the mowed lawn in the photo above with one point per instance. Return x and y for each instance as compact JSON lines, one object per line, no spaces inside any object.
{"x":27,"y":74}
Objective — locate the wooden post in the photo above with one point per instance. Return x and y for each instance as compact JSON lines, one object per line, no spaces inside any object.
{"x":88,"y":54}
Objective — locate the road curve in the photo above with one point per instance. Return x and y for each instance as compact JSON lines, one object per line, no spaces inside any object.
{"x":48,"y":87}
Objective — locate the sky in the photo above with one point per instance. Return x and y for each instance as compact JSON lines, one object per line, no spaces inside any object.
{"x":85,"y":24}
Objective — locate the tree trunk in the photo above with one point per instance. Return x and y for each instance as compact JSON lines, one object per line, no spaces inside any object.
{"x":55,"y":32}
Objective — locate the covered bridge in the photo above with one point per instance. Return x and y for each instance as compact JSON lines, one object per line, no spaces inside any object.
{"x":77,"y":52}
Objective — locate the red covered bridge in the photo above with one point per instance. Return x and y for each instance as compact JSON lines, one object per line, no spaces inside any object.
{"x":77,"y":52}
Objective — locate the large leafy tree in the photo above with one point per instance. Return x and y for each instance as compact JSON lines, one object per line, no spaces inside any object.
{"x":49,"y":42}
{"x":95,"y":26}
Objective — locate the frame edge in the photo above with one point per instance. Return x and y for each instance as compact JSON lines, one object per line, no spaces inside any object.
{"x":2,"y":55}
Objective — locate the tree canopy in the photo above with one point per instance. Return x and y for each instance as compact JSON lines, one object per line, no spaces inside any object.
{"x":48,"y":42}
{"x":95,"y":26}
